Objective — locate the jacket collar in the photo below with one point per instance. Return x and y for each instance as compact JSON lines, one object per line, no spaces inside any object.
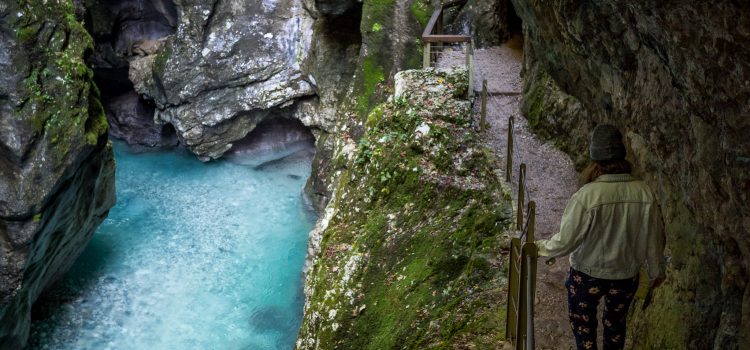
{"x":615,"y":178}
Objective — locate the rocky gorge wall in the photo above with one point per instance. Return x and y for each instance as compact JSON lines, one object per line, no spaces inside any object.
{"x":356,"y":50}
{"x":407,"y":254}
{"x":205,"y":72}
{"x":56,"y":167}
{"x":675,"y":77}
{"x":228,"y":66}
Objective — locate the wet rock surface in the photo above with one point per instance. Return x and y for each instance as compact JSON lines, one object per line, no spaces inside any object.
{"x":228,"y":65}
{"x":56,"y":168}
{"x":213,"y":70}
{"x":674,"y":77}
{"x":131,"y":119}
{"x":353,"y":59}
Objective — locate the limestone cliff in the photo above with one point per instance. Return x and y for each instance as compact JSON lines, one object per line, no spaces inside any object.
{"x":228,"y":66}
{"x":675,"y":76}
{"x":354,"y":56}
{"x":407,"y":254}
{"x":56,"y":168}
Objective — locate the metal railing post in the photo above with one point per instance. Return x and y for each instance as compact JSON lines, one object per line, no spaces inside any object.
{"x":470,"y":66}
{"x":530,"y":278}
{"x":532,"y":222}
{"x":521,"y":195}
{"x":426,"y":55}
{"x":530,"y":252}
{"x":483,"y":115}
{"x":509,"y":156}
{"x":514,"y":290}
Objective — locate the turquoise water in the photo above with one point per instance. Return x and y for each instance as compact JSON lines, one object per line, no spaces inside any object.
{"x":193,"y":256}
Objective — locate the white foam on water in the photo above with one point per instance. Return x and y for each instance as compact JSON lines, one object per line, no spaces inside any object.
{"x":193,"y":256}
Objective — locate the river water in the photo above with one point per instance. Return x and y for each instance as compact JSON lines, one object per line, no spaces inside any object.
{"x":193,"y":256}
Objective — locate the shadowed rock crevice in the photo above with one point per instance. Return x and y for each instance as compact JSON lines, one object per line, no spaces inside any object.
{"x":272,"y":140}
{"x":332,"y":63}
{"x":124,"y":31}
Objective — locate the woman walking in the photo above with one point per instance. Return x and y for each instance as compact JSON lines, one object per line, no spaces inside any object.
{"x":612,"y":226}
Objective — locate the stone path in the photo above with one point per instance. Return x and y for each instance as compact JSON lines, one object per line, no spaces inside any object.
{"x":551,"y":177}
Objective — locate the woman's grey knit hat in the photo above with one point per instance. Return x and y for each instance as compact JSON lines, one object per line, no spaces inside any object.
{"x":606,"y":143}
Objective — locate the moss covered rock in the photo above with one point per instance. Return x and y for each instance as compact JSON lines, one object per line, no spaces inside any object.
{"x":407,"y":254}
{"x":56,"y":169}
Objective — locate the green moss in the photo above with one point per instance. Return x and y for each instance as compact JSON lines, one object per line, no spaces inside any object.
{"x":160,"y":63}
{"x":420,"y":238}
{"x":373,"y":74}
{"x":37,"y":217}
{"x":377,"y":63}
{"x":26,"y":34}
{"x":62,"y":106}
{"x":96,"y":125}
{"x":375,"y":116}
{"x":421,"y":10}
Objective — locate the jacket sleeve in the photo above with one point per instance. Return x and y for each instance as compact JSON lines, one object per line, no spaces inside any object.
{"x":573,"y":228}
{"x":656,"y":241}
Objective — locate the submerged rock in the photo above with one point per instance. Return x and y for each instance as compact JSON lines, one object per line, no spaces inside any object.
{"x":56,"y":168}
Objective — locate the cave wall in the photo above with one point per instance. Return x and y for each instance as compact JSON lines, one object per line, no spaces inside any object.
{"x":56,"y":167}
{"x":353,"y":59}
{"x":490,"y":23}
{"x":675,"y":77}
{"x":124,"y":31}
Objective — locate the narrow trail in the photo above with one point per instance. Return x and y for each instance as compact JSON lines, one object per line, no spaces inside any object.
{"x":551,"y":177}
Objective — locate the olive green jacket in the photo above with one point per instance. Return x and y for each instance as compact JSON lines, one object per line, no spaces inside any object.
{"x":612,"y":225}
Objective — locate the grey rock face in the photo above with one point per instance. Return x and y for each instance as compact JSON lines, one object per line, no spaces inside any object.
{"x":56,"y":170}
{"x":227,"y":66}
{"x":271,"y":140}
{"x":675,"y":77}
{"x":132,"y":119}
{"x":334,"y":62}
{"x":334,"y":7}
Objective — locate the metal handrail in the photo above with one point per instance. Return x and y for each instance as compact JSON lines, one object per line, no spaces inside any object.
{"x":523,"y":260}
{"x":509,"y":155}
{"x":519,"y":327}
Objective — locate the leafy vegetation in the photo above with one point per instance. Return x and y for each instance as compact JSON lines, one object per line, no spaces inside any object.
{"x":411,"y":257}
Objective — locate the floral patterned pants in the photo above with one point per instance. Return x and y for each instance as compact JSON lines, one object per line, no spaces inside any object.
{"x":584,"y":293}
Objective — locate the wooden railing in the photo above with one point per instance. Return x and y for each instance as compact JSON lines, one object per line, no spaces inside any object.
{"x":523,"y":253}
{"x":519,"y":327}
{"x":435,"y":41}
